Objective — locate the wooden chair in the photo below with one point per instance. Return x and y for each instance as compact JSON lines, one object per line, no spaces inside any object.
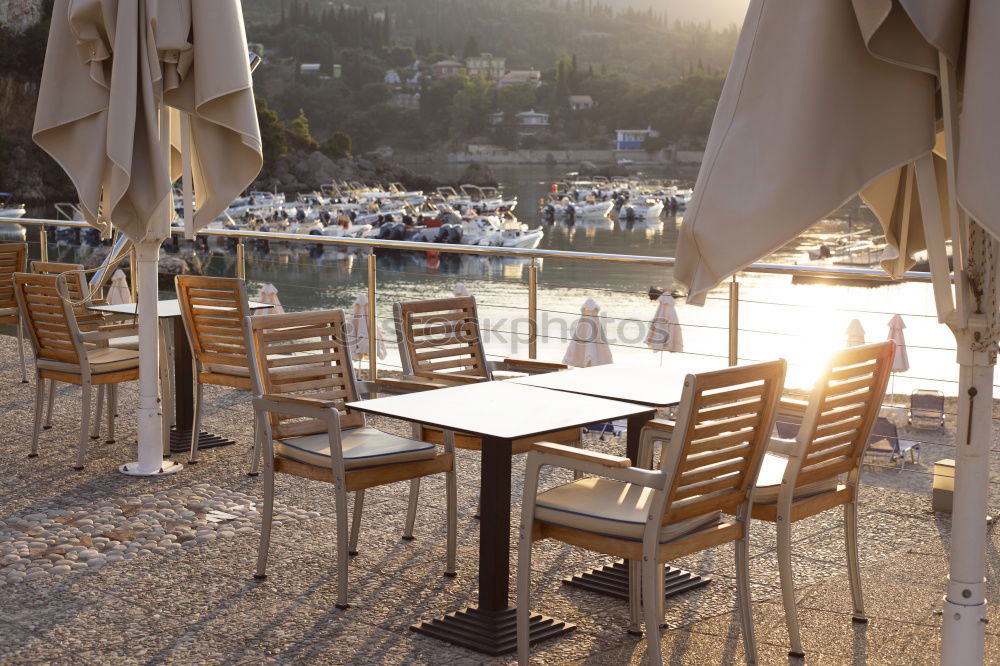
{"x":302,"y":376}
{"x":801,"y":478}
{"x":440,"y":345}
{"x":13,"y":259}
{"x":79,"y":294}
{"x":697,"y":498}
{"x":65,"y":353}
{"x":213,"y":309}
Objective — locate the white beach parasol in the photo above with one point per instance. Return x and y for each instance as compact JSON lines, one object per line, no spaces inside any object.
{"x":665,"y":329}
{"x":358,"y":333}
{"x":785,"y":150}
{"x":118,"y":291}
{"x":855,"y":334}
{"x":589,"y":345}
{"x":269,"y":294}
{"x":900,"y":362}
{"x":461,"y":291}
{"x":115,"y":78}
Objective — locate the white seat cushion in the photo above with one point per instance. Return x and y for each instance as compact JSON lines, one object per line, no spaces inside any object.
{"x":769,"y":481}
{"x":102,"y":360}
{"x":363,"y":447}
{"x":610,"y":508}
{"x":127,"y":342}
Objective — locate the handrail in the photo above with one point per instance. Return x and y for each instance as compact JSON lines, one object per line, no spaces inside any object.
{"x":829,"y":272}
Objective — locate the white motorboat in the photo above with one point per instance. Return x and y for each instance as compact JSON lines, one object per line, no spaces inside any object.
{"x":641,"y":209}
{"x":8,"y":208}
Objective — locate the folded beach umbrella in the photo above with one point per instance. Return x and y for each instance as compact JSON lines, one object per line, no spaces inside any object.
{"x":665,"y":329}
{"x":359,"y":334}
{"x":900,"y":362}
{"x":855,"y":334}
{"x":461,"y":290}
{"x":118,"y":291}
{"x":829,"y":99}
{"x":133,"y":94}
{"x":589,"y":345}
{"x":269,"y":294}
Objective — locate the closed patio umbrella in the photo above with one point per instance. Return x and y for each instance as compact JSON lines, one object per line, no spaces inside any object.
{"x":118,"y":291}
{"x":665,"y":329}
{"x":900,"y":362}
{"x":269,"y":294}
{"x":855,"y":334}
{"x":828,"y":99}
{"x":115,"y":78}
{"x":589,"y":345}
{"x":359,"y":335}
{"x":461,"y":290}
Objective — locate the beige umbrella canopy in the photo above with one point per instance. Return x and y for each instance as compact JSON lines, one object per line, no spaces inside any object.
{"x":589,"y":345}
{"x":118,"y":291}
{"x":109,"y":68}
{"x":855,"y":334}
{"x":827,"y":99}
{"x":269,"y":294}
{"x":901,"y":361}
{"x":665,"y":329}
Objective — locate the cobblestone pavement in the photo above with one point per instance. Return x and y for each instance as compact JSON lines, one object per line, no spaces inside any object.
{"x":97,"y":567}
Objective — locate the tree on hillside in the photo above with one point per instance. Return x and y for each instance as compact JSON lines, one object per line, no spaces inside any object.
{"x":298,"y":132}
{"x":272,"y":133}
{"x":337,"y":146}
{"x":471,"y":47}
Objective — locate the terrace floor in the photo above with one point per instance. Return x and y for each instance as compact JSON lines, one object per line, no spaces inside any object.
{"x":97,"y":567}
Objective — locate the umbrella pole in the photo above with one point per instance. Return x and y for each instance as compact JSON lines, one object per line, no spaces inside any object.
{"x":964,"y":632}
{"x":150,"y":411}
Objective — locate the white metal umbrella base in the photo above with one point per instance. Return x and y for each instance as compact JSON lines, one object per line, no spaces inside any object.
{"x":134,"y":469}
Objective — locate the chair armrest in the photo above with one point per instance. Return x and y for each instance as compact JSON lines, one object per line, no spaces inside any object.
{"x":298,"y":406}
{"x":407,"y":384}
{"x":652,"y":431}
{"x":781,"y":446}
{"x":451,"y":379}
{"x":581,"y":454}
{"x":527,"y":365}
{"x":109,"y":331}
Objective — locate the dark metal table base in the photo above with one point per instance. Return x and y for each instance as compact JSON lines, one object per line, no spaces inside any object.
{"x":613,"y":581}
{"x":491,"y":632}
{"x":180,"y":441}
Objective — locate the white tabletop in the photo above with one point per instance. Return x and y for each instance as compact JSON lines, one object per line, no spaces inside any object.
{"x":165,"y":309}
{"x":650,"y":384}
{"x":500,"y":409}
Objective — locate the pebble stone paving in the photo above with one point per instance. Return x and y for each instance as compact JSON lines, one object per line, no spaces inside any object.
{"x":100,"y":568}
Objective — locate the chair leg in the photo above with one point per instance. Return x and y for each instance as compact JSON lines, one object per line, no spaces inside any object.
{"x":266,"y":518}
{"x":411,"y":509}
{"x":196,"y":426}
{"x":523,"y":595}
{"x":112,"y":408}
{"x":52,"y":400}
{"x":634,"y":597}
{"x":20,"y":350}
{"x":652,"y":587}
{"x":451,"y":508}
{"x":359,"y":503}
{"x":342,"y":547}
{"x":96,"y":433}
{"x":788,"y":586}
{"x":577,"y":474}
{"x":743,"y":600}
{"x":853,"y":565}
{"x":255,"y":463}
{"x":39,"y":401}
{"x":81,"y":449}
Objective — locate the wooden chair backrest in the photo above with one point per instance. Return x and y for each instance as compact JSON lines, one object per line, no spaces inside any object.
{"x":841,"y":413}
{"x":13,"y":258}
{"x":303,"y":354}
{"x":49,"y":318}
{"x":213,"y":309}
{"x":440,"y":338}
{"x":723,"y":428}
{"x":76,"y":284}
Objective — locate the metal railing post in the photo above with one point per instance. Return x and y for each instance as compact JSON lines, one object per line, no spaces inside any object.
{"x":241,"y":265}
{"x":372,"y":322}
{"x":734,"y":321}
{"x":533,"y":309}
{"x":43,"y":243}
